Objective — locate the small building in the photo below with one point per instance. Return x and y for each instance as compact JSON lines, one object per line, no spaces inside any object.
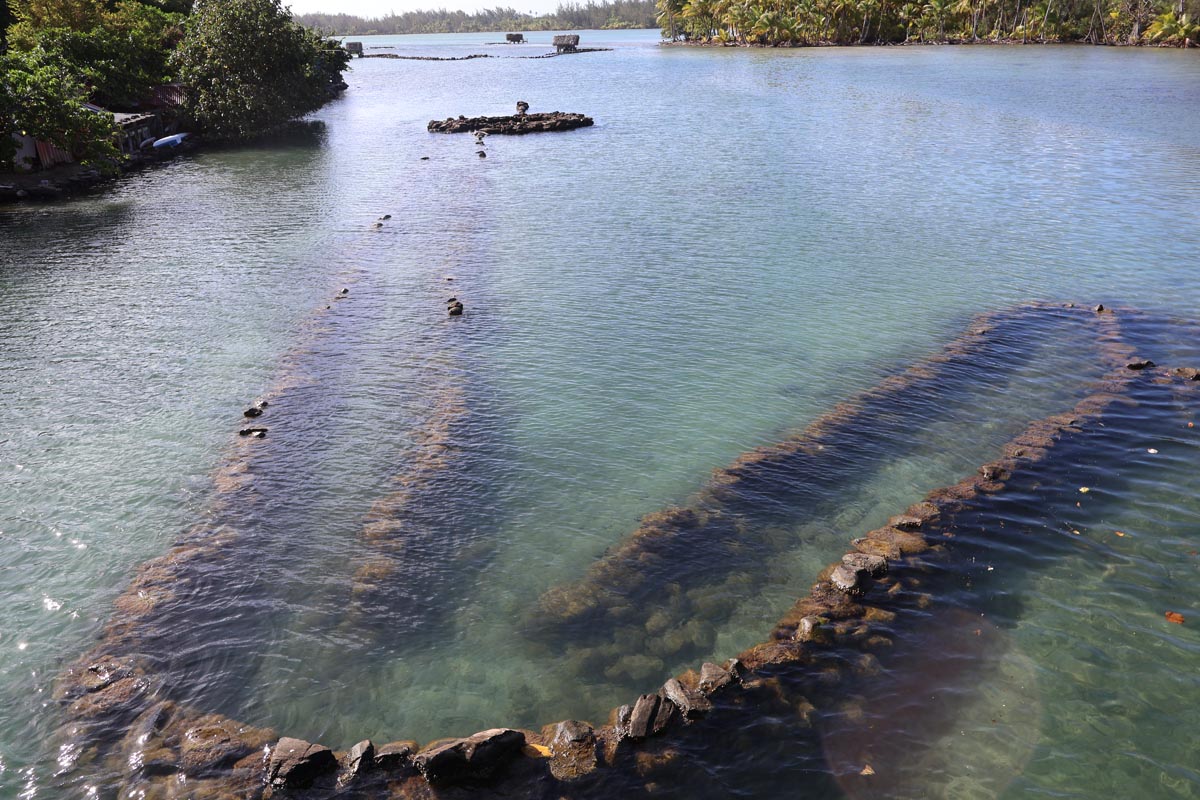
{"x":566,"y":42}
{"x":354,"y":48}
{"x":133,"y":129}
{"x":514,"y":38}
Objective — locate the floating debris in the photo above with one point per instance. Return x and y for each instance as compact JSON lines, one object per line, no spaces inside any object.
{"x":1175,"y":616}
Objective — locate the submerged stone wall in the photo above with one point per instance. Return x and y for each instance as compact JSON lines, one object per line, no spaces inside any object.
{"x":683,"y":564}
{"x":123,"y":725}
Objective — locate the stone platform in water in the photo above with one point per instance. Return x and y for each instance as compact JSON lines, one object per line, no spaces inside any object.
{"x":512,"y":126}
{"x":123,"y":722}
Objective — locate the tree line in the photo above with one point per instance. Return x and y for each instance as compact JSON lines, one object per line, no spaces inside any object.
{"x":817,"y":22}
{"x":606,"y":15}
{"x":245,"y":66}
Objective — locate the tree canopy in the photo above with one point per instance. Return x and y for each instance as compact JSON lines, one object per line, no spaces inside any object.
{"x":809,"y":22}
{"x":248,"y":67}
{"x":607,"y":14}
{"x":40,"y":97}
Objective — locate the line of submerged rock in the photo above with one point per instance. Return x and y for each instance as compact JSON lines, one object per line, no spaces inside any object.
{"x":143,"y":742}
{"x":670,"y":581}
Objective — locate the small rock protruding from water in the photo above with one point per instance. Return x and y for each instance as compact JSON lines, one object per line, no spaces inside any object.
{"x":641,"y":719}
{"x":1099,"y":309}
{"x":255,"y":410}
{"x":714,"y":677}
{"x":455,"y":309}
{"x":424,"y":158}
{"x":1188,"y":373}
{"x":295,"y":763}
{"x":253,"y":433}
{"x":481,"y":154}
{"x":376,"y":225}
{"x":846,"y":579}
{"x":873,"y":566}
{"x":1140,"y":363}
{"x":384,"y":218}
{"x":809,"y":629}
{"x":395,"y":756}
{"x":572,"y":749}
{"x":345,"y":291}
{"x":691,"y":703}
{"x":357,"y":761}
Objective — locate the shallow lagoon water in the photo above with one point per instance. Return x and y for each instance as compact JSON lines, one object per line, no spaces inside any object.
{"x":743,"y":239}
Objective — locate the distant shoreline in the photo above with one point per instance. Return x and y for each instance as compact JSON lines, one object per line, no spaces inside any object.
{"x":918,"y":43}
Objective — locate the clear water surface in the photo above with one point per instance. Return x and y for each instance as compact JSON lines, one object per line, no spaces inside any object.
{"x":743,"y":238}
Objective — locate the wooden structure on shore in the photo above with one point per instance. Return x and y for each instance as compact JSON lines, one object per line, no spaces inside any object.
{"x":354,"y":48}
{"x":566,"y":42}
{"x":514,"y":38}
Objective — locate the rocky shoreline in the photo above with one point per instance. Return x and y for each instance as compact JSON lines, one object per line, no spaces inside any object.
{"x":69,"y":180}
{"x":121,"y":716}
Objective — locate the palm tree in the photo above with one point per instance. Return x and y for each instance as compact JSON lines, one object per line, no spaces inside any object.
{"x":939,"y":10}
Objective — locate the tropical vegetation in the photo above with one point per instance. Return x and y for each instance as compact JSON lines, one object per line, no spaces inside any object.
{"x":816,"y":22}
{"x":608,"y":14}
{"x":244,"y":65}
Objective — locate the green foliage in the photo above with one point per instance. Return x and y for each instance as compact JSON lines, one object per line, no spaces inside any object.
{"x":248,"y":67}
{"x":806,"y":22}
{"x":40,"y":97}
{"x":569,"y":16}
{"x":1172,"y":28}
{"x":6,"y":20}
{"x":118,"y":54}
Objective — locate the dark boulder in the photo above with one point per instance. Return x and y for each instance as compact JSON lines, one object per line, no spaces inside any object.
{"x":395,"y":756}
{"x":641,"y":720}
{"x":295,"y":763}
{"x":476,"y":757}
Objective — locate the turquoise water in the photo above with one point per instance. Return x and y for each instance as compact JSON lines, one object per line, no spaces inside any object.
{"x":744,"y":238}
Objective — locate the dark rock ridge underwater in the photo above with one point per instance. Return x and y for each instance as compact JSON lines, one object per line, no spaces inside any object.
{"x":702,"y":731}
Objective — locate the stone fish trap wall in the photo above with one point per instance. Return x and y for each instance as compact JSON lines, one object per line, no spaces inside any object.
{"x":125,"y":730}
{"x":685,"y":562}
{"x":515,"y":125}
